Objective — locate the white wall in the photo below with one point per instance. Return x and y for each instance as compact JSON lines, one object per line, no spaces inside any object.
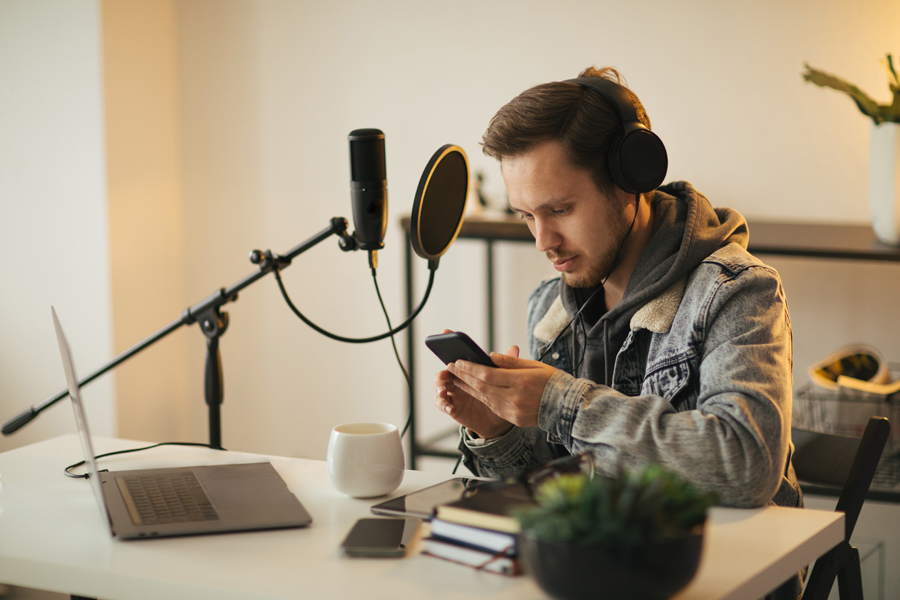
{"x":53,"y":219}
{"x":146,"y":212}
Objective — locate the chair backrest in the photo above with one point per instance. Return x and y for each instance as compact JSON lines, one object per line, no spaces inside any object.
{"x":846,"y":462}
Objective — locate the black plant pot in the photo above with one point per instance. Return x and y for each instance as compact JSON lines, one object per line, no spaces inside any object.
{"x":652,"y":571}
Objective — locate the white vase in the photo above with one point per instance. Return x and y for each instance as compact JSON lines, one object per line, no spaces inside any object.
{"x":884,"y":182}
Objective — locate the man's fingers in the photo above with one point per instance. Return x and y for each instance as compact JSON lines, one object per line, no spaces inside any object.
{"x":508,"y":373}
{"x":505,"y":361}
{"x":462,"y":387}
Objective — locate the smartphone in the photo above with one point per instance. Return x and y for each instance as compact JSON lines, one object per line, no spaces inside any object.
{"x":387,"y":538}
{"x":456,"y":345}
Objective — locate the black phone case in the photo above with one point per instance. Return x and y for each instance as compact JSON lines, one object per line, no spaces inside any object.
{"x":450,"y":347}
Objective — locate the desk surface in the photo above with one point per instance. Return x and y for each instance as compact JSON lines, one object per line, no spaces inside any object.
{"x":52,"y":538}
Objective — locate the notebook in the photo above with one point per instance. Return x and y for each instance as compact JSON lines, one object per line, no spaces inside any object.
{"x":149,"y":503}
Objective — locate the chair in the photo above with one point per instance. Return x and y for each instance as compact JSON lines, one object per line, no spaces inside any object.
{"x":848,"y":463}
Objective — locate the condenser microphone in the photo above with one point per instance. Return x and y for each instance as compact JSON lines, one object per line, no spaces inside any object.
{"x":368,"y":188}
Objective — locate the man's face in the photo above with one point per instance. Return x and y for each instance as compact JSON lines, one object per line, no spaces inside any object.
{"x":579,"y":228}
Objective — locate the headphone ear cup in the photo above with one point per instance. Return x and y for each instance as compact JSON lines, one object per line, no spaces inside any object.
{"x":637,"y":158}
{"x":615,"y":164}
{"x":638,"y":161}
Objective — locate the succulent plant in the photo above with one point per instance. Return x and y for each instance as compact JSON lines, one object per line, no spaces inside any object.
{"x":648,"y":505}
{"x":879,"y":113}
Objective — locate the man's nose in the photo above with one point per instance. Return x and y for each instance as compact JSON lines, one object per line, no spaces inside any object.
{"x":546,"y":238}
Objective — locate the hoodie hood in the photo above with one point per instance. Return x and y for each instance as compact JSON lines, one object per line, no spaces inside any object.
{"x":686,"y":230}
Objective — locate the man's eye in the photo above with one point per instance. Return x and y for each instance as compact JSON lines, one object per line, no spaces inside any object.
{"x":560,"y":211}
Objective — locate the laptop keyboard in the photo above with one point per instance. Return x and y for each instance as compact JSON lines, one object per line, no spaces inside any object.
{"x":165,"y":498}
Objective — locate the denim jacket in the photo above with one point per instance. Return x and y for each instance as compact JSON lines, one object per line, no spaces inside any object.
{"x":701,"y":385}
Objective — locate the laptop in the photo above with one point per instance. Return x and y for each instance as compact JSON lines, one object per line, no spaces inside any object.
{"x":148,"y":503}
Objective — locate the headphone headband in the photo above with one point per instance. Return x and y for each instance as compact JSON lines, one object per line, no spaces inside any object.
{"x":637,"y":157}
{"x":613,"y":92}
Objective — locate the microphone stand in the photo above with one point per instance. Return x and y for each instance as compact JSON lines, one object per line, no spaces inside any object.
{"x":213,"y":322}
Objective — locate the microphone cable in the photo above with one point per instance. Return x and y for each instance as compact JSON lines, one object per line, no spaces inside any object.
{"x":390,"y":333}
{"x":432,"y":266}
{"x":396,"y":352}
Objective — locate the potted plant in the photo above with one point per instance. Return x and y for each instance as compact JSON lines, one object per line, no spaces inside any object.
{"x":638,"y":535}
{"x":884,"y":154}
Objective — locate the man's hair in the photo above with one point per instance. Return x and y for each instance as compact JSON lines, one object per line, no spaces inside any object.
{"x":583,"y":121}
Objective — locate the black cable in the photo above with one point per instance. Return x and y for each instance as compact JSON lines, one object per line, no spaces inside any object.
{"x":431,"y":266}
{"x":396,"y":352}
{"x":569,"y":324}
{"x":87,"y":475}
{"x":458,"y":461}
{"x":583,"y":345}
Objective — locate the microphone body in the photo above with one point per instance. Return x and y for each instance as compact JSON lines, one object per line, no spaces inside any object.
{"x":368,"y":187}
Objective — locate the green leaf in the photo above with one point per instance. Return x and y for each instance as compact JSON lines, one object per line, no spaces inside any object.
{"x":865,"y":104}
{"x":889,"y":66}
{"x":891,"y":112}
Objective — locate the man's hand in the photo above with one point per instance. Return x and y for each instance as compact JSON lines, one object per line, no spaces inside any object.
{"x":489,"y":401}
{"x":453,"y":397}
{"x":513,"y":391}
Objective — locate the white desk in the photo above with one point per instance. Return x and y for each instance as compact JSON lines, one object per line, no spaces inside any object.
{"x":52,"y":538}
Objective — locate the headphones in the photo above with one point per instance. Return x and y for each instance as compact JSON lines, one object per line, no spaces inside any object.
{"x":637,"y":157}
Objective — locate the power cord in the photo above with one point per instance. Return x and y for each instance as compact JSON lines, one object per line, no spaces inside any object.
{"x":87,"y":475}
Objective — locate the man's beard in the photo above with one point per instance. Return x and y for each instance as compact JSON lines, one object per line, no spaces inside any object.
{"x":602,"y":268}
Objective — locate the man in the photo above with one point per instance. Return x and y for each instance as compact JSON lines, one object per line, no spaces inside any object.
{"x":662,"y":341}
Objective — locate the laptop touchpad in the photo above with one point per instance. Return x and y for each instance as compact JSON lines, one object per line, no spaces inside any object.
{"x":246,"y":484}
{"x":236,"y":492}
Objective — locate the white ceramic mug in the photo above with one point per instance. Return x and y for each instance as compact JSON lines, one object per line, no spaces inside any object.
{"x":365,"y":459}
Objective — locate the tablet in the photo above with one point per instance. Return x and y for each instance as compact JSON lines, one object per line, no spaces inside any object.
{"x":422,"y":503}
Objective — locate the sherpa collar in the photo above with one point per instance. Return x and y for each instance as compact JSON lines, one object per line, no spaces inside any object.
{"x":657,"y":315}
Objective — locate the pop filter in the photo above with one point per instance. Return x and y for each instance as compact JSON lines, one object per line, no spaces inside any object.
{"x":440,"y":203}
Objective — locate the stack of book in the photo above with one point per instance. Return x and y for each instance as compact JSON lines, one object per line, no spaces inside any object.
{"x":478,"y":530}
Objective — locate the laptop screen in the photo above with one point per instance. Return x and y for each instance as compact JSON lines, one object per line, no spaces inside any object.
{"x":80,"y":417}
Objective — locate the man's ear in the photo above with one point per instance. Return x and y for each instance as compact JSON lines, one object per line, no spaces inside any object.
{"x":624,"y":199}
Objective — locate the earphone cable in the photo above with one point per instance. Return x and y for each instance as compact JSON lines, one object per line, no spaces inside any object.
{"x":458,"y":462}
{"x":637,"y":201}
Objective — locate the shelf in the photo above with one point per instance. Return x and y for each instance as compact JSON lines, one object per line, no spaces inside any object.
{"x":814,"y":240}
{"x":818,"y":240}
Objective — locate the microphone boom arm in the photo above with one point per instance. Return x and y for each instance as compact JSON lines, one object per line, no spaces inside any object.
{"x":212,"y":322}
